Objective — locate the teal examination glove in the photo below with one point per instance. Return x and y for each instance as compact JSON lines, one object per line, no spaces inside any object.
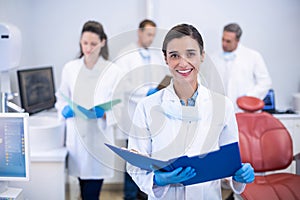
{"x":178,"y":175}
{"x":245,"y":174}
{"x":67,"y":112}
{"x":152,"y":91}
{"x":95,"y":112}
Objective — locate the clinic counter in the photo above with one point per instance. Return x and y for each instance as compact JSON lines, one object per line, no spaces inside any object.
{"x":287,"y":116}
{"x":47,"y":175}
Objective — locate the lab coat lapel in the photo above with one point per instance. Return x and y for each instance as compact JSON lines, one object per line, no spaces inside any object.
{"x":213,"y":103}
{"x":208,"y":128}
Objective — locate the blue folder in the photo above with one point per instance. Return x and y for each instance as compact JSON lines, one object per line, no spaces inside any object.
{"x":211,"y":166}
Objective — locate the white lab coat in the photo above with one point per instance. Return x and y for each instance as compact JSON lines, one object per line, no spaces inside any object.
{"x":88,"y":157}
{"x":245,"y":74}
{"x":156,"y":135}
{"x":138,"y":76}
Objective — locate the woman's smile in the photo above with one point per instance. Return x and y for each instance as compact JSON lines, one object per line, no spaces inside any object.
{"x":185,"y":72}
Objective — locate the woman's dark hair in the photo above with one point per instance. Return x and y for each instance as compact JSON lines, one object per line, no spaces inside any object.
{"x":97,"y":28}
{"x":180,"y":31}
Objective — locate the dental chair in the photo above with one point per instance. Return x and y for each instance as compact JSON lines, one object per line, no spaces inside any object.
{"x":267,"y":145}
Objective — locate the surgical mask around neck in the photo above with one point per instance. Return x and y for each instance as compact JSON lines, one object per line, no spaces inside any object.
{"x":229,"y":56}
{"x":174,"y":110}
{"x":144,"y":53}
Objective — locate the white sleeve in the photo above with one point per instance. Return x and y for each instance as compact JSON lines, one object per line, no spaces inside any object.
{"x":236,"y":187}
{"x":113,"y":81}
{"x":262,"y":78}
{"x":64,"y":88}
{"x":230,"y":134}
{"x":140,"y":140}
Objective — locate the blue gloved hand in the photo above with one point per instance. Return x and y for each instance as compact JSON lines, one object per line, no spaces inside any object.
{"x":95,"y":112}
{"x":245,"y":174}
{"x":152,"y":91}
{"x":176,"y":176}
{"x":99,"y":111}
{"x":67,"y":112}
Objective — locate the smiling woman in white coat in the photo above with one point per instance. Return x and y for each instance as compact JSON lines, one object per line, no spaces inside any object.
{"x":89,"y":81}
{"x":185,"y":118}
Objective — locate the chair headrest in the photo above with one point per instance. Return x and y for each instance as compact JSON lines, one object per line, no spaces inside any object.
{"x":250,"y":104}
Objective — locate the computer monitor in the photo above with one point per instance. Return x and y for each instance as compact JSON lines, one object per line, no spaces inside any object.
{"x":14,"y":147}
{"x":37,"y":90}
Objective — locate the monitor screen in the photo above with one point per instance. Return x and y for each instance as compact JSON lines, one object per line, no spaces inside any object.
{"x":37,"y":91}
{"x":14,"y":149}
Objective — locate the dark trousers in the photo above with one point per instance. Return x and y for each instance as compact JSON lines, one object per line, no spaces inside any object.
{"x":90,"y":189}
{"x":131,"y":190}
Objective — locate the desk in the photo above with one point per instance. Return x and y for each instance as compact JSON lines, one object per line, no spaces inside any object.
{"x":12,"y":194}
{"x":292,"y":123}
{"x":47,"y":176}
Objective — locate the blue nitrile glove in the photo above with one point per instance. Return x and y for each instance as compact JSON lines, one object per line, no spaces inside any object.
{"x":151,"y":91}
{"x":99,"y":111}
{"x":245,"y":174}
{"x":95,"y":112}
{"x":67,"y":112}
{"x":176,"y":176}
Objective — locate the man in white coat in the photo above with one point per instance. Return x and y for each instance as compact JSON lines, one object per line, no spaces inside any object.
{"x":142,"y":70}
{"x":242,"y":70}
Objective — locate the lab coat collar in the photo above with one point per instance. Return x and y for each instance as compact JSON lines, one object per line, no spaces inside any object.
{"x":240,"y":49}
{"x":172,"y":107}
{"x":170,"y":95}
{"x":229,"y":56}
{"x":100,"y":64}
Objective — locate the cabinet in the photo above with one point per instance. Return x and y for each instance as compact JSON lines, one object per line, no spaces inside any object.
{"x":292,"y":123}
{"x":12,"y":194}
{"x":47,"y":176}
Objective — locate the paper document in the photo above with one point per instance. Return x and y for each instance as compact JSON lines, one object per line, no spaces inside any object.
{"x":108,"y":105}
{"x":214,"y":165}
{"x":88,"y":113}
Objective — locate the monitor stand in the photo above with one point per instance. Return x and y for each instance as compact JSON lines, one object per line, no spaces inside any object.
{"x":10,"y":193}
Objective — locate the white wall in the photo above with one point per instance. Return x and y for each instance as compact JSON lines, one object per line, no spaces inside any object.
{"x":271,"y":27}
{"x":51,"y":29}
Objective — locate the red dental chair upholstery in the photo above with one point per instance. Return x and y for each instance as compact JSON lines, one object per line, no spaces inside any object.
{"x":267,"y":145}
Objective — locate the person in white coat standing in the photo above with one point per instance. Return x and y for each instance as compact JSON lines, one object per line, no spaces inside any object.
{"x":140,"y":64}
{"x":89,"y":81}
{"x":242,"y":70}
{"x":185,"y":118}
{"x":142,"y":70}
